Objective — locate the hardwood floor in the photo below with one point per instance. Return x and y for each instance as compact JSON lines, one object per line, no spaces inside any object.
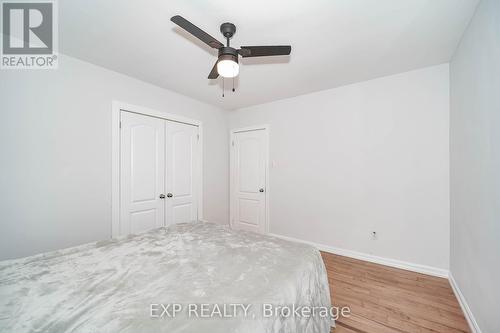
{"x":386,"y":299}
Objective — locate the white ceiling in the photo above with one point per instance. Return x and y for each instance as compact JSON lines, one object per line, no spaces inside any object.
{"x":334,"y":42}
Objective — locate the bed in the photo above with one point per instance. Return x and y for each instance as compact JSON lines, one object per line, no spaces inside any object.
{"x":136,"y":283}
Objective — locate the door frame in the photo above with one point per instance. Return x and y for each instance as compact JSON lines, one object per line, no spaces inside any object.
{"x":116,"y":109}
{"x":232,"y":132}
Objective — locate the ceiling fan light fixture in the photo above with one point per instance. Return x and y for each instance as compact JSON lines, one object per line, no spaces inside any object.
{"x":227,"y":66}
{"x":227,"y":63}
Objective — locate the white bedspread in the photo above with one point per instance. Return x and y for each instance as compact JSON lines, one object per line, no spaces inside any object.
{"x":109,"y":286}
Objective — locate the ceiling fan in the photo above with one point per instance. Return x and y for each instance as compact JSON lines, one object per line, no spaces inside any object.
{"x":227,"y":62}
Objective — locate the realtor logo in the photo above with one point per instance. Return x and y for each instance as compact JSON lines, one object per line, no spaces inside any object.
{"x":29,"y":35}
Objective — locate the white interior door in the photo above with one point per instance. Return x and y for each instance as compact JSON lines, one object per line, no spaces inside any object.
{"x":248,"y":180}
{"x":142,"y":172}
{"x":182,"y":172}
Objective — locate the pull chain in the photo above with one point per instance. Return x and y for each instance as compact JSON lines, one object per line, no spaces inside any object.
{"x":222,"y":86}
{"x":233,"y":83}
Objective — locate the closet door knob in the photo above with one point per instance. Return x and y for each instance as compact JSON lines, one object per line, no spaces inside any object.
{"x":169,"y":195}
{"x":261,"y":190}
{"x":162,"y":196}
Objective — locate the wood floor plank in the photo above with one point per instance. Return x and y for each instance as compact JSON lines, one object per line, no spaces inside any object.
{"x":390,"y":300}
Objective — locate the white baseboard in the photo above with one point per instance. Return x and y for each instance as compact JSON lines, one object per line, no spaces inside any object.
{"x":464,"y":305}
{"x":429,"y":270}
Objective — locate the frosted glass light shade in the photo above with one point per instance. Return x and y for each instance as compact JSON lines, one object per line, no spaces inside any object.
{"x":228,"y":68}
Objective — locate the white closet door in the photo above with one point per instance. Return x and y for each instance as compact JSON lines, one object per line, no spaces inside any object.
{"x":248,"y":173}
{"x":182,"y":172}
{"x":142,"y":173}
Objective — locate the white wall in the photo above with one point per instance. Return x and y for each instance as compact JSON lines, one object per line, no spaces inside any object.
{"x":372,"y":156}
{"x":475,"y":165}
{"x":55,"y":148}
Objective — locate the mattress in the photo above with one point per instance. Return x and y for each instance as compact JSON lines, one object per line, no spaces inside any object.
{"x":192,"y":277}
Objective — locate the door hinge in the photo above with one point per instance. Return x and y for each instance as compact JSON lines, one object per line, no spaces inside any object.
{"x":232,"y":143}
{"x":198,"y":136}
{"x":120,"y":124}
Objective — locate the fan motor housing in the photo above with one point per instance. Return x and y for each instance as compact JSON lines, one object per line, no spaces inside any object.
{"x":227,"y":50}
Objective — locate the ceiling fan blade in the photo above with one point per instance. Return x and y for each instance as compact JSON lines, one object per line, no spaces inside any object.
{"x":197,"y":32}
{"x":264,"y":51}
{"x":213,"y":73}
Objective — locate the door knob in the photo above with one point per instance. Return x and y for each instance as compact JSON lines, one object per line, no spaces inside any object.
{"x":169,"y":195}
{"x":162,"y":196}
{"x":261,"y":190}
